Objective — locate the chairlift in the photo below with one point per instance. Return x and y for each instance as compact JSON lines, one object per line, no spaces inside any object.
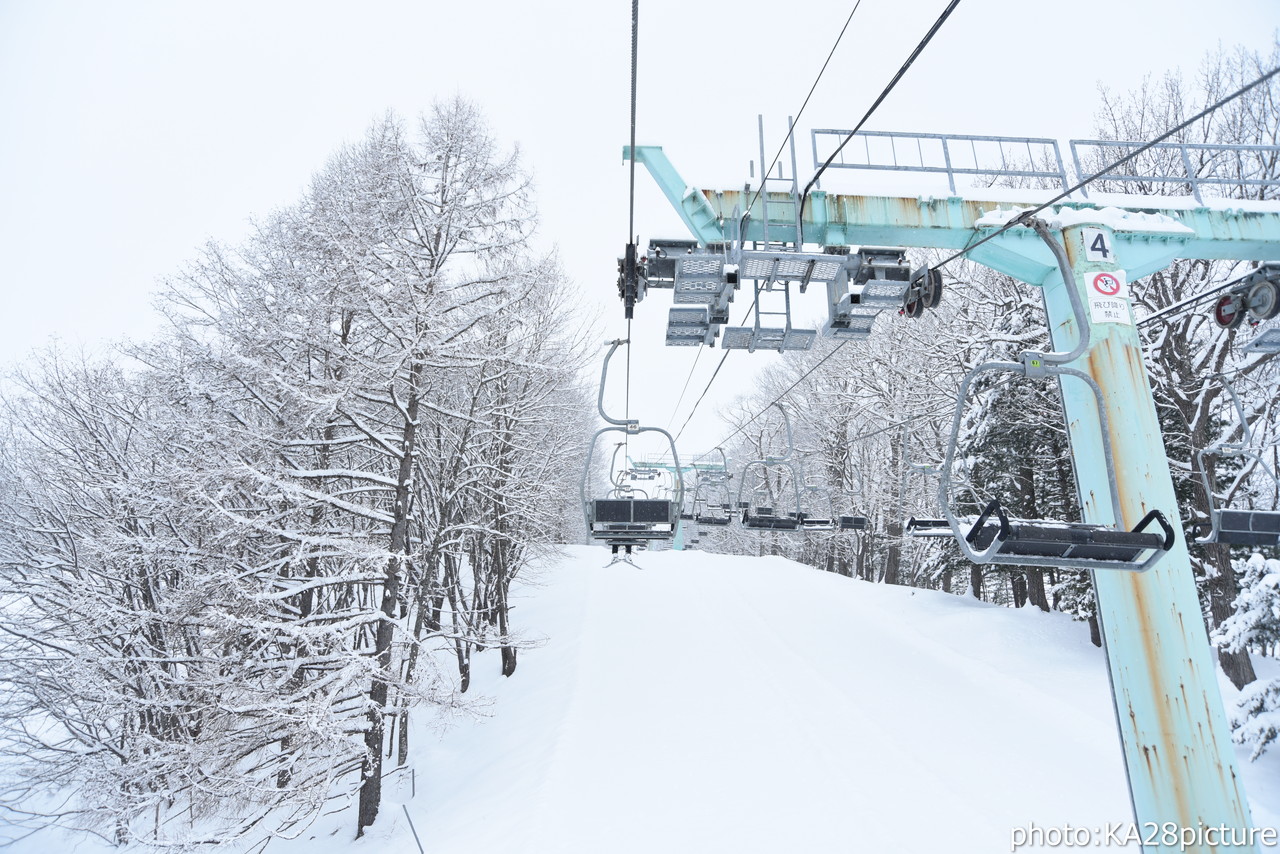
{"x":706,"y":512}
{"x":1238,"y":527}
{"x":760,"y":517}
{"x":998,"y":538}
{"x":916,"y":526}
{"x":621,"y":520}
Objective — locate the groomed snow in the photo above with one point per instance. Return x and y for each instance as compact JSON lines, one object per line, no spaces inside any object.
{"x":709,"y":703}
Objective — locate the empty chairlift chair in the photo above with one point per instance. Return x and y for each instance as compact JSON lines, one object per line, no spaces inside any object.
{"x":621,"y":520}
{"x":1238,"y":527}
{"x":757,"y":516}
{"x":999,"y":538}
{"x":829,"y":522}
{"x":712,"y":483}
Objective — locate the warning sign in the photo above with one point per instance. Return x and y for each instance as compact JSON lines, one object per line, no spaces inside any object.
{"x":1107,"y":302}
{"x":1107,"y":284}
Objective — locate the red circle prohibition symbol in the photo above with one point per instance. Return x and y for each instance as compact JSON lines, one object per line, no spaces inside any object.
{"x":1106,"y":284}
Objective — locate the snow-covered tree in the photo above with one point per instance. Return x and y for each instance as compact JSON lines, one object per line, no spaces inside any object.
{"x":282,"y":524}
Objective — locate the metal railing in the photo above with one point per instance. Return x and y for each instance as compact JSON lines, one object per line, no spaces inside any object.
{"x":1196,"y":165}
{"x":948,"y":154}
{"x":1206,"y":172}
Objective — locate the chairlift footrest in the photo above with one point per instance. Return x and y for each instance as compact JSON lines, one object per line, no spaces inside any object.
{"x":1068,"y":544}
{"x":928,"y":527}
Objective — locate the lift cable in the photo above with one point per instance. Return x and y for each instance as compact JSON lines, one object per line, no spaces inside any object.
{"x":704,"y":394}
{"x":791,"y":130}
{"x":860,"y":437}
{"x":1026,"y":215}
{"x":707,"y":388}
{"x":635,"y":42}
{"x":874,"y":106}
{"x":802,"y":378}
{"x":754,"y":198}
{"x":937,"y":25}
{"x":675,"y":411}
{"x":631,"y":201}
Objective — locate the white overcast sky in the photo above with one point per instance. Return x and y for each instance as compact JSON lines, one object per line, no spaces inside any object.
{"x":132,"y":132}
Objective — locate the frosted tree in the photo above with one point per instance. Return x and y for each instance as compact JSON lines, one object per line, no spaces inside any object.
{"x":1184,"y":353}
{"x":145,"y":644}
{"x":374,"y":344}
{"x":1255,"y":624}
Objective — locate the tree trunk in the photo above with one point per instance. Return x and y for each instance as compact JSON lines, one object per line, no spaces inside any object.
{"x":1222,"y":589}
{"x":1036,"y":592}
{"x":893,"y":555}
{"x":371,"y":768}
{"x":1018,"y":584}
{"x":508,"y":651}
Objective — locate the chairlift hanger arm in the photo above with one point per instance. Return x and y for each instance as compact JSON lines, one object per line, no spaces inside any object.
{"x":631,"y":424}
{"x":786,"y":423}
{"x":1237,"y":527}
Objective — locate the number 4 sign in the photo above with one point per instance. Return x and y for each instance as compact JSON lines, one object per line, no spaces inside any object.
{"x":1097,"y":246}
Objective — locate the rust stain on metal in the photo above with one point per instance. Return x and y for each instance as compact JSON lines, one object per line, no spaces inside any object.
{"x":844,"y":210}
{"x":1111,"y":363}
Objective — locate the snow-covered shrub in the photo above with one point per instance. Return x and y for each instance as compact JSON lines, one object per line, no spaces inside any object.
{"x":1255,"y":624}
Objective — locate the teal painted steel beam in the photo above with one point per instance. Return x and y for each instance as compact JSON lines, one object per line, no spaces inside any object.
{"x":1177,"y":746}
{"x":701,"y":220}
{"x":950,"y":222}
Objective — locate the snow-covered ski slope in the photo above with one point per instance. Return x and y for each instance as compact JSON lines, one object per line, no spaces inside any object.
{"x":708,"y":703}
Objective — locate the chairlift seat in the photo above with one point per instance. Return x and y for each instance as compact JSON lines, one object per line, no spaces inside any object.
{"x":1069,"y":544}
{"x":1249,"y":527}
{"x":774,"y":523}
{"x":853,"y":523}
{"x":764,"y":518}
{"x":712,"y":520}
{"x":627,"y":520}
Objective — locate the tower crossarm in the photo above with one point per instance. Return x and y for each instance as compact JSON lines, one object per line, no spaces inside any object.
{"x":1150,"y":231}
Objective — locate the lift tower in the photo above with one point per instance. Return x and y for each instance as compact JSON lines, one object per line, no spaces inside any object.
{"x":1177,"y":746}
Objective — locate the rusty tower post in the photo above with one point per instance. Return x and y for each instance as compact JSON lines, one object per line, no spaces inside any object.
{"x":1181,"y":766}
